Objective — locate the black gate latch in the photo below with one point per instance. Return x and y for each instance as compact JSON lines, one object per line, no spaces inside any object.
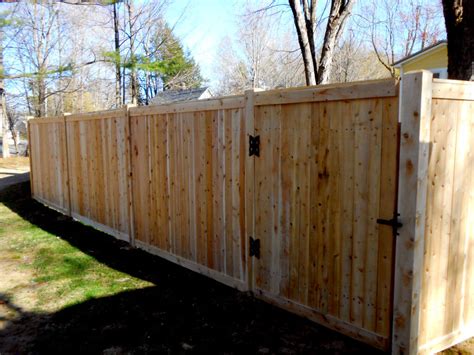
{"x":254,"y":146}
{"x":254,"y":247}
{"x":394,"y":223}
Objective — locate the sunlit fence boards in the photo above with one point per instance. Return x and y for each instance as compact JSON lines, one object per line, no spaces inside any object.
{"x":188,"y":169}
{"x":49,"y":171}
{"x":305,"y":222}
{"x":99,"y":170}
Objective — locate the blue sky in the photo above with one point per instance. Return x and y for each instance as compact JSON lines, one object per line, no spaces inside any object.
{"x":201,"y":25}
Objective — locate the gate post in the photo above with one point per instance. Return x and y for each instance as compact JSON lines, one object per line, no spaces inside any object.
{"x":249,"y":185}
{"x":131,"y":209}
{"x":415,"y":118}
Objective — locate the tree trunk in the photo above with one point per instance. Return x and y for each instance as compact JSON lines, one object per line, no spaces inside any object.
{"x":118,"y":74}
{"x":458,"y":15}
{"x":133,"y":70}
{"x":303,"y":39}
{"x":339,"y":13}
{"x":305,"y":24}
{"x":3,"y":109}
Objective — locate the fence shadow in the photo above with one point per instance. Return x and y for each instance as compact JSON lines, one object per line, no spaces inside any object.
{"x":182,"y":312}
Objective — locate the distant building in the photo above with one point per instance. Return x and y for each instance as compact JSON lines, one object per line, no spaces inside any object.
{"x":433,"y":58}
{"x":172,"y":96}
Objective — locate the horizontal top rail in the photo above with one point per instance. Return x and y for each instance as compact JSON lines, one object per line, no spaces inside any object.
{"x":453,"y":89}
{"x":53,"y":119}
{"x":190,"y":106}
{"x":96,"y":115}
{"x":336,"y":92}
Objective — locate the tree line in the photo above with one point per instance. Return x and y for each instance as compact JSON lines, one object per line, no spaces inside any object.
{"x":64,"y":56}
{"x":76,"y":56}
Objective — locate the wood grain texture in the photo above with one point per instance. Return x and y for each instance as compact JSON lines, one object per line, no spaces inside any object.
{"x":188,"y":178}
{"x":447,"y":295}
{"x":49,"y":170}
{"x":326,"y":172}
{"x":177,"y":181}
{"x":99,"y":169}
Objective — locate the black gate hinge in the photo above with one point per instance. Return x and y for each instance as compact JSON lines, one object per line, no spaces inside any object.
{"x":254,"y":146}
{"x":254,"y":247}
{"x":394,"y":223}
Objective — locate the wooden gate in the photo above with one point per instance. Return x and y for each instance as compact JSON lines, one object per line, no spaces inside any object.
{"x":325,"y":174}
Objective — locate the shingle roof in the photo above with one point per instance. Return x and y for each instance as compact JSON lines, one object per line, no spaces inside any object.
{"x":170,"y":96}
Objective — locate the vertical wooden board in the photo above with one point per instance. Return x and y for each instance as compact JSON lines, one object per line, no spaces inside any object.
{"x":218,"y":196}
{"x":109,"y":171}
{"x":468,"y":310}
{"x":301,"y":189}
{"x":314,"y":236}
{"x":201,"y":166}
{"x":443,"y":130}
{"x":361,"y":195}
{"x":387,"y":206}
{"x":286,"y":227}
{"x":191,"y":208}
{"x":347,"y":202}
{"x":176,"y":161}
{"x":210,"y":161}
{"x":242,"y":188}
{"x":228,"y":195}
{"x":104,"y":138}
{"x":334,"y":207}
{"x":98,"y":173}
{"x":92,"y":161}
{"x":122,"y":173}
{"x":374,"y":127}
{"x":415,"y":117}
{"x":46,"y":158}
{"x":187,"y":198}
{"x":75,"y":165}
{"x":323,"y":192}
{"x":163,"y":171}
{"x":113,"y":181}
{"x":265,"y":120}
{"x":238,"y":192}
{"x":156,"y":183}
{"x":140,"y":187}
{"x":273,"y":241}
{"x":84,"y":195}
{"x":174,"y":181}
{"x":462,"y":176}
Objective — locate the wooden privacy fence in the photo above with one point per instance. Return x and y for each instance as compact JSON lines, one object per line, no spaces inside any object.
{"x":293,"y":195}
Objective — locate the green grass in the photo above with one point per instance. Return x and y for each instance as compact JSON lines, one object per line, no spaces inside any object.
{"x":62,"y":274}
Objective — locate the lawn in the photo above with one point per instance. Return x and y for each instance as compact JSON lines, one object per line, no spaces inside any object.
{"x":67,"y":288}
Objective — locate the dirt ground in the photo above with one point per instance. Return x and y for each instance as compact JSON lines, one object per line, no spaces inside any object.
{"x":179,"y":312}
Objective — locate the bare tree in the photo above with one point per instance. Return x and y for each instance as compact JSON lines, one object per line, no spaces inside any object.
{"x":318,"y":68}
{"x":459,"y":20}
{"x":262,"y":55}
{"x":398,"y":28}
{"x":354,"y":61}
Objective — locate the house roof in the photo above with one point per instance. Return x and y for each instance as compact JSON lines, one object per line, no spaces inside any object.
{"x":170,"y":96}
{"x":423,"y":51}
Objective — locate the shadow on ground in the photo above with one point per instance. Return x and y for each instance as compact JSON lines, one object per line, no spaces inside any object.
{"x":183,"y":312}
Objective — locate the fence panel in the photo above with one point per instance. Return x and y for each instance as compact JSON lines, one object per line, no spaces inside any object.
{"x":99,"y":170}
{"x":447,"y":286}
{"x":49,"y":173}
{"x":188,"y":171}
{"x":326,"y":172}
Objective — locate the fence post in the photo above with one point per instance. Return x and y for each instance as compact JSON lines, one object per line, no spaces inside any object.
{"x":249,"y":184}
{"x":131,"y":213}
{"x":28,"y":153}
{"x":415,"y":118}
{"x":68,"y":169}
